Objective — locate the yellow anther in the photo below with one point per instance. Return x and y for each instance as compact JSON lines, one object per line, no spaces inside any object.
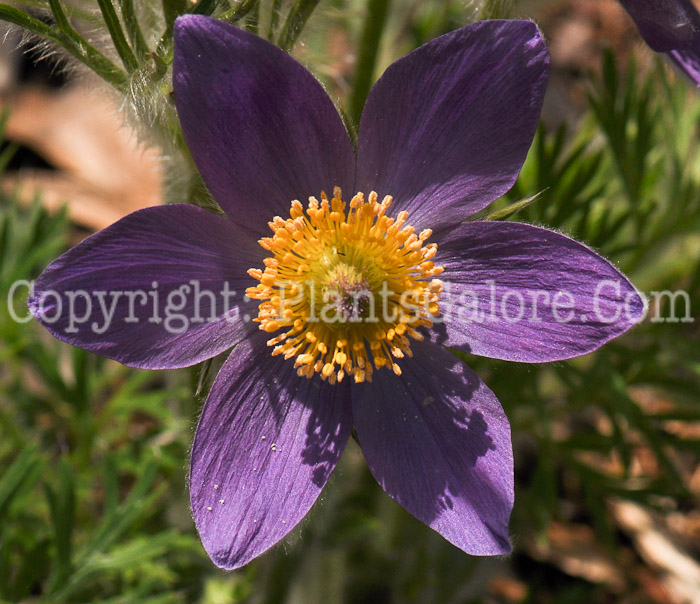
{"x":347,"y":254}
{"x":270,"y":326}
{"x":297,"y":209}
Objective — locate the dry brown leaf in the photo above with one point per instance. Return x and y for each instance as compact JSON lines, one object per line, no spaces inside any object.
{"x":102,"y":172}
{"x":680,"y":573}
{"x":573,"y":549}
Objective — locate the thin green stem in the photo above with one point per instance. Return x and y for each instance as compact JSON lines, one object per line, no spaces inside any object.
{"x":349,"y":126}
{"x":239,"y":11}
{"x":274,"y":18}
{"x":115,"y":31}
{"x":253,"y":21}
{"x":131,"y":23}
{"x":60,"y":15}
{"x":172,"y":9}
{"x":377,"y":11}
{"x":205,"y":7}
{"x":71,"y":42}
{"x":296,"y":19}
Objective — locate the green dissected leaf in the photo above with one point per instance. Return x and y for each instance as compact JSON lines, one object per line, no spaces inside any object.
{"x":32,"y":569}
{"x":627,"y":116}
{"x":172,"y":9}
{"x":62,"y":505}
{"x":117,"y":34}
{"x":511,"y":209}
{"x":141,"y":596}
{"x":121,"y":518}
{"x":111,"y":486}
{"x":205,"y":7}
{"x":29,"y":239}
{"x":22,"y":473}
{"x":7,"y":154}
{"x":88,"y":560}
{"x":69,"y":40}
{"x":133,"y":30}
{"x":142,"y":549}
{"x":239,"y":11}
{"x":297,"y":17}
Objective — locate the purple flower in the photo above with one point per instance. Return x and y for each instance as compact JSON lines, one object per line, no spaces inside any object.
{"x":445,"y":132}
{"x":672,"y":27}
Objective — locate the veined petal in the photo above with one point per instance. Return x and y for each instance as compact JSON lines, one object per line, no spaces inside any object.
{"x":260,"y":127}
{"x":522,"y":293}
{"x":665,"y":25}
{"x":446,"y":129}
{"x":688,"y":61}
{"x":150,"y":291}
{"x":673,"y":27}
{"x":266,"y":443}
{"x":438,"y":442}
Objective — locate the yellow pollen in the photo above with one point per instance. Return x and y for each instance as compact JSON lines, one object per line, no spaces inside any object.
{"x":347,"y":286}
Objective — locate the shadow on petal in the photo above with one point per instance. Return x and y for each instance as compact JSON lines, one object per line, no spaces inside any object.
{"x":438,"y":442}
{"x":266,"y":444}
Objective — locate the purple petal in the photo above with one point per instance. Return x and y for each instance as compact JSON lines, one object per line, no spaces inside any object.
{"x":266,"y":443}
{"x":665,"y":25}
{"x":260,"y":127}
{"x":137,"y":292}
{"x":522,"y":293}
{"x":688,"y":61}
{"x":438,"y":442}
{"x":446,"y":129}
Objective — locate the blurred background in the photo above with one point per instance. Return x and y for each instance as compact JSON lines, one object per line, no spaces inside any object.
{"x":94,"y":456}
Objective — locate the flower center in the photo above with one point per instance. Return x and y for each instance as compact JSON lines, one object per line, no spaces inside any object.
{"x":347,"y":289}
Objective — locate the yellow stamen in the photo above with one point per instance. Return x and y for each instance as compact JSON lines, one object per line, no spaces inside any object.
{"x":348,"y":284}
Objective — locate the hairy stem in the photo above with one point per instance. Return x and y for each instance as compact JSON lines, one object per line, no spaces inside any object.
{"x":296,"y":19}
{"x":71,"y":42}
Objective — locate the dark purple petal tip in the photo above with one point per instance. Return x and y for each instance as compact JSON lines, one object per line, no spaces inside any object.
{"x":688,"y":61}
{"x":261,"y":129}
{"x":673,"y":27}
{"x":665,"y":25}
{"x":161,"y":288}
{"x":447,"y":128}
{"x":522,"y":293}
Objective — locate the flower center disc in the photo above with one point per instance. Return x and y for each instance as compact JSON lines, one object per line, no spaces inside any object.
{"x":349,"y":288}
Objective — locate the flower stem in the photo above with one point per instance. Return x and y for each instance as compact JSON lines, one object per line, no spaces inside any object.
{"x":239,"y":11}
{"x":69,"y":40}
{"x":296,"y":19}
{"x":253,"y":21}
{"x":115,"y":31}
{"x":60,"y":16}
{"x":205,"y":7}
{"x":133,"y":30}
{"x":274,"y":18}
{"x":377,"y":11}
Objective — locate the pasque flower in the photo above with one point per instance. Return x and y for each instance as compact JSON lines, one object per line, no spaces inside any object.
{"x":671,"y":27}
{"x":359,"y":270}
